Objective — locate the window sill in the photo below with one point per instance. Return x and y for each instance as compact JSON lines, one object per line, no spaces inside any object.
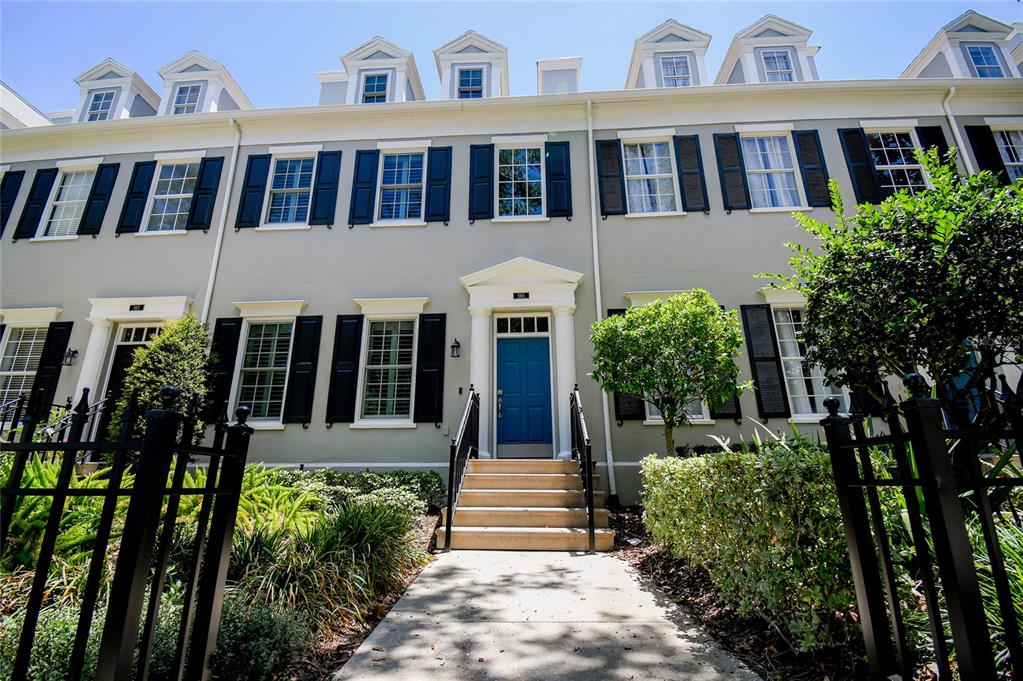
{"x":168,"y":232}
{"x":69,"y":237}
{"x":666,"y":214}
{"x":265,"y":425}
{"x":398,"y":223}
{"x":372,"y":425}
{"x":781,"y":209}
{"x":283,"y":227}
{"x":694,"y":422}
{"x":526,"y":218}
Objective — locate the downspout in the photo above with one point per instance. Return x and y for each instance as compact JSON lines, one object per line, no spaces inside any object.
{"x":955,"y":131}
{"x":596,"y":288}
{"x":219,"y":245}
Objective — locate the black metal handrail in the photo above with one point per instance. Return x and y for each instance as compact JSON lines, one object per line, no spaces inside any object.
{"x":464,"y":446}
{"x":11,"y":413}
{"x":582,"y":453}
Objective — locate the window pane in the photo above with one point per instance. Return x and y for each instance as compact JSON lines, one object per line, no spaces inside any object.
{"x":387,"y":390}
{"x":265,"y":369}
{"x":649,"y":177}
{"x":69,"y":203}
{"x":520,"y":186}
{"x":19,"y":361}
{"x":770,"y":172}
{"x":172,"y":197}
{"x":896,"y":164}
{"x":401,"y":187}
{"x":806,"y":383}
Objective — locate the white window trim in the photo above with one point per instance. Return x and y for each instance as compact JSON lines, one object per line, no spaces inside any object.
{"x":1004,"y":122}
{"x":258,"y":312}
{"x":385,"y":310}
{"x":166,"y":159}
{"x":484,"y":80}
{"x":520,"y":142}
{"x":791,"y":300}
{"x":289,"y":152}
{"x":650,"y":420}
{"x":998,"y":144}
{"x":198,"y":100}
{"x":395,"y":148}
{"x":661,"y":135}
{"x":776,"y":130}
{"x":994,"y":52}
{"x":767,"y":72}
{"x":360,"y":99}
{"x":689,"y":67}
{"x":65,"y":166}
{"x":110,"y":111}
{"x":29,"y":316}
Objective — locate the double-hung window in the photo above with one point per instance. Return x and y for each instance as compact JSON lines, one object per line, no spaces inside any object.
{"x":1010,"y":146}
{"x":985,"y":61}
{"x":374,"y":88}
{"x":470,"y":83}
{"x":22,"y":348}
{"x":770,"y":171}
{"x":186,"y":99}
{"x":777,"y":66}
{"x":520,"y":178}
{"x":401,"y":186}
{"x":263,"y":372}
{"x":806,"y":383}
{"x":100,"y":105}
{"x":895,"y":161}
{"x":675,"y":71}
{"x":172,"y":196}
{"x":68,"y":203}
{"x":650,"y":177}
{"x":289,"y":191}
{"x":387,"y":380}
{"x":696,"y":410}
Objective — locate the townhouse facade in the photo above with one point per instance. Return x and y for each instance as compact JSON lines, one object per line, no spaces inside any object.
{"x":362,"y":262}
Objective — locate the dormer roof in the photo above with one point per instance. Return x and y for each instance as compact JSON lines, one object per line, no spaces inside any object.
{"x":473,"y":47}
{"x":195,"y":64}
{"x":18,"y":112}
{"x":112,"y":72}
{"x":767,"y":31}
{"x":967,"y":27}
{"x":381,"y":52}
{"x":671,"y":33}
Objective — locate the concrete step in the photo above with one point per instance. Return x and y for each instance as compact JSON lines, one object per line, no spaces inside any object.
{"x":523,"y":466}
{"x":524,"y":481}
{"x":525,"y":538}
{"x":548,"y":498}
{"x":523,"y":516}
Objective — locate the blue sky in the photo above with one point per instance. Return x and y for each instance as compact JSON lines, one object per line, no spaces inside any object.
{"x":273,"y":49}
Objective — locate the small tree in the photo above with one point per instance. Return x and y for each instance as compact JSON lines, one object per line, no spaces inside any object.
{"x":177,"y":356}
{"x":915,"y":281}
{"x":670,"y":353}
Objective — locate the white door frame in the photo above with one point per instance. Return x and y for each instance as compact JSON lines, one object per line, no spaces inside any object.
{"x":507,"y":314}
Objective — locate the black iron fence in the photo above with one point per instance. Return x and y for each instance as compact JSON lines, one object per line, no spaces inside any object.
{"x":464,"y":446}
{"x":951,"y":484}
{"x":157,"y":464}
{"x":582,"y":453}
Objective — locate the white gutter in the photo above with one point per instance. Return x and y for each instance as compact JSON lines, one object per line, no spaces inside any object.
{"x":963,"y":154}
{"x":596,"y":287}
{"x":218,"y":246}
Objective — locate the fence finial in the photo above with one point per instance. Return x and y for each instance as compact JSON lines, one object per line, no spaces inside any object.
{"x":916,"y":385}
{"x":242,"y":414}
{"x":832,"y":404}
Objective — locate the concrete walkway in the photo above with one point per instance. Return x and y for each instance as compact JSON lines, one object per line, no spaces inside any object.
{"x":520,"y":616}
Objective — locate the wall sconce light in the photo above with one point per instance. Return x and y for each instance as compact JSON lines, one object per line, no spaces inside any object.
{"x":69,"y":357}
{"x":456,"y":349}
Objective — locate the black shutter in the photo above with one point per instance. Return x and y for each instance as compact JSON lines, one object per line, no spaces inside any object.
{"x":344,"y":369}
{"x":223,"y":351}
{"x":812,"y":168}
{"x":438,"y":184}
{"x":765,"y":361}
{"x":729,"y":410}
{"x":481,"y":181}
{"x":99,"y":199}
{"x":35,"y":204}
{"x":861,"y":166}
{"x":8,"y":194}
{"x":932,"y":136}
{"x":430,"y":369}
{"x":204,"y":198}
{"x":732,"y":171}
{"x":691,"y":181}
{"x":985,"y":150}
{"x":51,"y":361}
{"x":364,"y":187}
{"x":559,"y":180}
{"x":305,"y":351}
{"x":863,"y":402}
{"x":324,"y":202}
{"x":250,"y":205}
{"x":627,"y":407}
{"x":610,"y":178}
{"x":135,"y":199}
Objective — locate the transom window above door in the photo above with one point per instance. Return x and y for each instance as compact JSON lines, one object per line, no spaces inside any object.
{"x":777,"y":66}
{"x":470,"y":83}
{"x":374,"y":88}
{"x":69,"y":202}
{"x":523,"y":324}
{"x":520,"y":182}
{"x":650,"y":177}
{"x":290,"y":190}
{"x":675,"y":71}
{"x":401,"y":187}
{"x":100,"y":105}
{"x":895,"y":162}
{"x":138,"y":335}
{"x":186,"y":99}
{"x":172,"y":197}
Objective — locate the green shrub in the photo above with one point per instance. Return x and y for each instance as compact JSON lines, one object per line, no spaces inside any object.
{"x":338,"y":485}
{"x":55,"y":636}
{"x":767,"y":527}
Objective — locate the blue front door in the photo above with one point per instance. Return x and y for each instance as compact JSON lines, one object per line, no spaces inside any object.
{"x":524,"y":395}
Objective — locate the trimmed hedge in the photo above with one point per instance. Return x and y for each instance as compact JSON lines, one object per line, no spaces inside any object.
{"x":337,"y":485}
{"x":767,"y":527}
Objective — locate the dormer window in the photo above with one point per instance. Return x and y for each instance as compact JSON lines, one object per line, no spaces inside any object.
{"x":186,"y":99}
{"x":470,"y":83}
{"x":777,"y":66}
{"x":985,"y":61}
{"x":374,"y":88}
{"x":676,"y":71}
{"x":100,"y":105}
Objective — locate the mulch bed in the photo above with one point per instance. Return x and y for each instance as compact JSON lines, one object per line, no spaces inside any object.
{"x":748,"y":638}
{"x":334,"y":650}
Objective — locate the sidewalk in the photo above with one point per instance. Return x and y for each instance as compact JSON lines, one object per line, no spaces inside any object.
{"x":520,"y":616}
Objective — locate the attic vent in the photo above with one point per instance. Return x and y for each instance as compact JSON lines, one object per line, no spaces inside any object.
{"x":137,"y":307}
{"x":520,"y":295}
